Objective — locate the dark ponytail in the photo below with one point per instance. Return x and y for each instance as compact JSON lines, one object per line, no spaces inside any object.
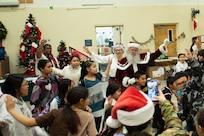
{"x":73,"y":97}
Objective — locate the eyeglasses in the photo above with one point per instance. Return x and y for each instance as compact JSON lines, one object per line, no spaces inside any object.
{"x":181,"y":83}
{"x":118,"y":50}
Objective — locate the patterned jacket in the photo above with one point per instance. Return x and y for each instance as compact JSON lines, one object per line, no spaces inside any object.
{"x":193,"y":95}
{"x":173,"y":125}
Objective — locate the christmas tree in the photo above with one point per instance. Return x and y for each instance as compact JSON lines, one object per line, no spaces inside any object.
{"x":29,"y":42}
{"x":63,"y":56}
{"x":3,"y":33}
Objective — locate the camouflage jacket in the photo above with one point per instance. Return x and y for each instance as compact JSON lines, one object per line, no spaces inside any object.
{"x":173,"y":125}
{"x":193,"y":95}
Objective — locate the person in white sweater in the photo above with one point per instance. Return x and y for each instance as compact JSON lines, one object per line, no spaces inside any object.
{"x":181,"y":64}
{"x":72,"y":71}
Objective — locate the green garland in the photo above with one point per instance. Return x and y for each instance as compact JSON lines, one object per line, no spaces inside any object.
{"x":3,"y":31}
{"x":182,"y":35}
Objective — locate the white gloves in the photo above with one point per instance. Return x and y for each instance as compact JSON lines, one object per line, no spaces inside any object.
{"x":128,"y":81}
{"x":163,"y":46}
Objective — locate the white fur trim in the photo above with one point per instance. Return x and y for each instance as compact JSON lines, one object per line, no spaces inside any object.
{"x":133,"y":45}
{"x":125,"y":81}
{"x":131,"y":81}
{"x":139,"y":116}
{"x":125,"y":67}
{"x":163,"y":47}
{"x":23,"y":48}
{"x":29,"y":24}
{"x":112,"y":123}
{"x":146,"y":59}
{"x":34,"y":45}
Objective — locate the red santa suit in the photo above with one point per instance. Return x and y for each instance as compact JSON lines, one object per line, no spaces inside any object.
{"x":125,"y":70}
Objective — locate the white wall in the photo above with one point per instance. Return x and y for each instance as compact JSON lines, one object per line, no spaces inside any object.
{"x":71,"y":3}
{"x":78,"y":24}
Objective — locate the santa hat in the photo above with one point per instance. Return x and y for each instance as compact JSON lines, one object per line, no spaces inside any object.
{"x":133,"y":44}
{"x":133,"y":108}
{"x":118,"y":45}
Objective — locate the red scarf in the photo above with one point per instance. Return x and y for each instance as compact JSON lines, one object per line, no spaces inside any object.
{"x":52,"y":59}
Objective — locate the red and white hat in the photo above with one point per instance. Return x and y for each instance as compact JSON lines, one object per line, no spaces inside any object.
{"x":133,"y":44}
{"x":133,"y":108}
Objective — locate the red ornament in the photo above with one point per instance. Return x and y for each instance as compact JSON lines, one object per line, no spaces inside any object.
{"x":194,"y":24}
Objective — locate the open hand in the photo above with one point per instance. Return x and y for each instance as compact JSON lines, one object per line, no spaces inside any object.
{"x":160,"y":97}
{"x":86,"y":49}
{"x":10,"y":103}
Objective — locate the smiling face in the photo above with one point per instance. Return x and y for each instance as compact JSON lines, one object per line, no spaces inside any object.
{"x":141,"y":81}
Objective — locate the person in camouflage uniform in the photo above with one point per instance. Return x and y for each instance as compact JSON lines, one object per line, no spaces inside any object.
{"x":134,"y":110}
{"x":193,"y":95}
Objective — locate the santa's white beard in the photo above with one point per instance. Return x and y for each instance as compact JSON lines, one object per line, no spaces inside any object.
{"x":133,"y":59}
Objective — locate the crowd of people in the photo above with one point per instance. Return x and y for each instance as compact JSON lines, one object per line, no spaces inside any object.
{"x":71,"y":101}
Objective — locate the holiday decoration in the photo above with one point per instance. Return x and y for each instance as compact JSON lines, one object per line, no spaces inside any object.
{"x":82,"y":56}
{"x":51,"y":7}
{"x":194,"y":24}
{"x":3,"y":33}
{"x":182,"y":35}
{"x":29,"y":42}
{"x":63,"y":56}
{"x":193,"y":17}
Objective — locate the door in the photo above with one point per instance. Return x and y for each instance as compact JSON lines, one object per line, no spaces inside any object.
{"x":166,"y":31}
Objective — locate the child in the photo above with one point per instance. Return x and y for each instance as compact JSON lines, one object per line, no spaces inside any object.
{"x":16,"y":87}
{"x":72,"y":71}
{"x":45,"y":89}
{"x":112,"y":94}
{"x":181,"y":64}
{"x":134,"y":110}
{"x":70,"y":120}
{"x":200,"y":122}
{"x":167,"y":90}
{"x":64,"y":86}
{"x":92,"y":81}
{"x":194,"y":47}
{"x":141,"y":80}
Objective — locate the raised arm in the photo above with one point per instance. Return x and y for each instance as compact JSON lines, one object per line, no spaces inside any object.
{"x":106,"y":73}
{"x":10,"y":104}
{"x":172,"y":123}
{"x":96,"y":57}
{"x":39,"y":50}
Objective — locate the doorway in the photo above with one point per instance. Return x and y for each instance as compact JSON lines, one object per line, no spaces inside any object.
{"x":161,"y":32}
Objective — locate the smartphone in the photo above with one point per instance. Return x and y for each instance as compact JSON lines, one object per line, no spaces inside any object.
{"x":152,"y":86}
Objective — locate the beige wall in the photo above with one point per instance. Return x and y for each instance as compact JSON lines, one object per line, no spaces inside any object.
{"x":76,"y":25}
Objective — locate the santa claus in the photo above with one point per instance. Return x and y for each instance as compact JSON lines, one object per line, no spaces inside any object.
{"x":125,"y":65}
{"x":135,"y":61}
